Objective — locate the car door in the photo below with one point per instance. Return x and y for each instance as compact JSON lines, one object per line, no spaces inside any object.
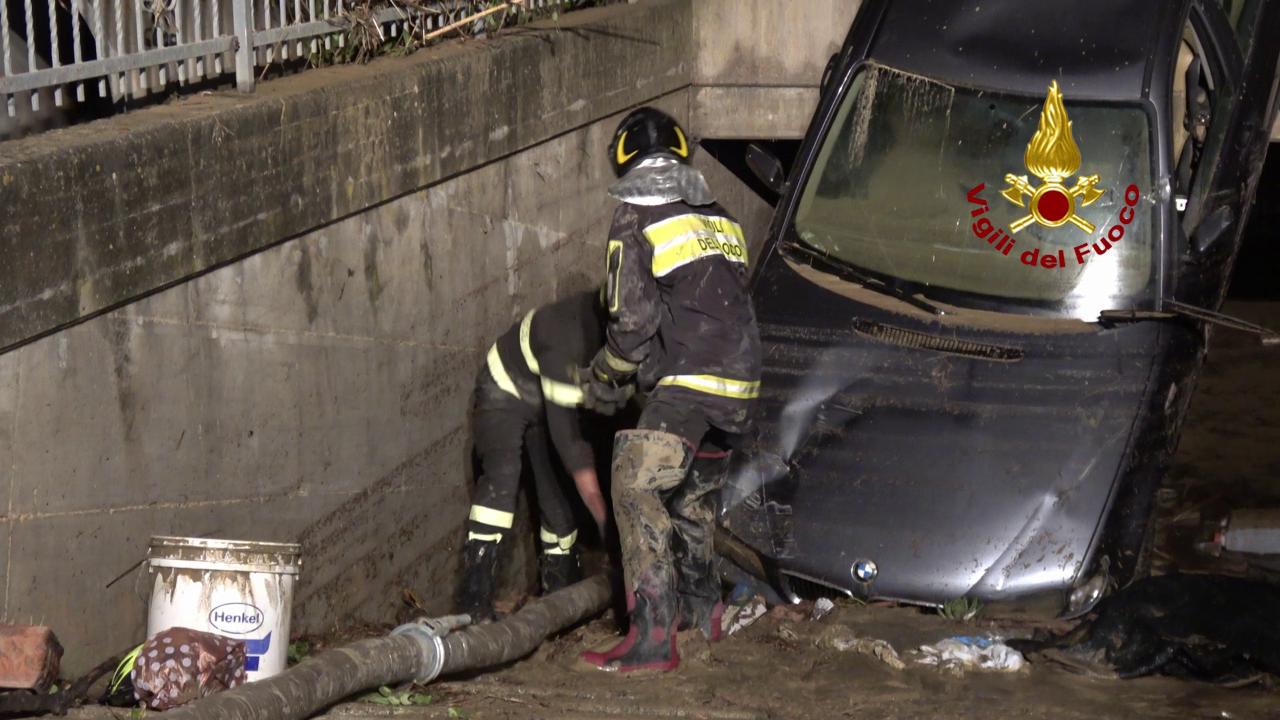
{"x":1229,"y":98}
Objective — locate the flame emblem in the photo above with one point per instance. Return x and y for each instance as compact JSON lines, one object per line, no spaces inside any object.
{"x":1053,"y":156}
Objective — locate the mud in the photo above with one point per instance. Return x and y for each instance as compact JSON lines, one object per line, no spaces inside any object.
{"x":776,"y":668}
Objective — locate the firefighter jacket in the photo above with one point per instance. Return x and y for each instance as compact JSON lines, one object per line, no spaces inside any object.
{"x":679,"y":309}
{"x":537,"y":361}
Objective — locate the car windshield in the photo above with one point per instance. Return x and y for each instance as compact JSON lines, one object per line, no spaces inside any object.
{"x":928,"y":184}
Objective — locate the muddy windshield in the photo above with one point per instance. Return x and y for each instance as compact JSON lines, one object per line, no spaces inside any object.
{"x":1012,"y":203}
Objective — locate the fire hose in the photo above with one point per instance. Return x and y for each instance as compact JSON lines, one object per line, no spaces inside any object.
{"x":420,"y":651}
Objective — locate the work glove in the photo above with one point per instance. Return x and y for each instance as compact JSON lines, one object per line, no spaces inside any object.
{"x":605,"y":388}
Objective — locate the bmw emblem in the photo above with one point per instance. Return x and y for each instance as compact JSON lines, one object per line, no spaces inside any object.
{"x":864,"y":571}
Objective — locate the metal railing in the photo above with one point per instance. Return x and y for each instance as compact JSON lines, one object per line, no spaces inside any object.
{"x":123,"y":49}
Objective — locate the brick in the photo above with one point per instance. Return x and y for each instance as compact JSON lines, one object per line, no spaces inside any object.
{"x":29,"y":657}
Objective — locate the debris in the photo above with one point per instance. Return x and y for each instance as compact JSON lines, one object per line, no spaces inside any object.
{"x":1256,"y":532}
{"x":789,"y":613}
{"x":179,"y":665}
{"x":821,"y":608}
{"x":1209,"y":627}
{"x":967,"y":652}
{"x":842,"y":638}
{"x":29,"y":657}
{"x":786,"y":632}
{"x":404,"y":697}
{"x":961,"y":608}
{"x":738,"y":617}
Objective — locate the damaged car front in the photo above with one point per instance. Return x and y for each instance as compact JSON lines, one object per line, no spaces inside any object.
{"x":946,"y":411}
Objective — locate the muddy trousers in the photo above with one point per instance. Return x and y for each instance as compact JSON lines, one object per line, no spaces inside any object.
{"x":664,"y":496}
{"x":505,"y":429}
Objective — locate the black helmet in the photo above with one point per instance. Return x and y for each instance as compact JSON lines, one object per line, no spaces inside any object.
{"x":643,"y":133}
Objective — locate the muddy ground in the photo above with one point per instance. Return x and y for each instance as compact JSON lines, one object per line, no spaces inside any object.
{"x":777,"y":668}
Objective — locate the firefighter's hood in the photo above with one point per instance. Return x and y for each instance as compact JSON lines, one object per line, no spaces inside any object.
{"x":660,"y":180}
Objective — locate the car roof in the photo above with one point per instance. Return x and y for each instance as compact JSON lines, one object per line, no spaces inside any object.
{"x":1096,"y":49}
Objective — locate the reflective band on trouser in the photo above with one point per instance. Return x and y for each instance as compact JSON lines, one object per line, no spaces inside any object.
{"x":487,"y":537}
{"x":562,"y":394}
{"x":526,"y":329}
{"x":713,"y":385}
{"x":553,"y":544}
{"x":683,"y":239}
{"x":499,"y":373}
{"x":492,"y":517}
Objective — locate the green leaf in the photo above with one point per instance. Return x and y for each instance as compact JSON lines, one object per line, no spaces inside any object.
{"x":298,"y":650}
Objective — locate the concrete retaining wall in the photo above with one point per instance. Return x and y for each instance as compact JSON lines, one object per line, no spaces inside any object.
{"x":102,"y":212}
{"x":764,"y":55}
{"x":318,"y":390}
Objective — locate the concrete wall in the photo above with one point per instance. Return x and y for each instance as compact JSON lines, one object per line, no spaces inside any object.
{"x":749,"y":57}
{"x":317,"y":391}
{"x":100,"y":213}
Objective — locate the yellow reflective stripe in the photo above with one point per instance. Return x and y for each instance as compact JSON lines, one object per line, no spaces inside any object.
{"x":562,"y":394}
{"x":526,"y":329}
{"x":683,"y":239}
{"x":724,"y":387}
{"x":499,"y":372}
{"x":617,"y":363}
{"x":613,"y":275}
{"x":490,"y":516}
{"x":487,"y":537}
{"x":562,"y":543}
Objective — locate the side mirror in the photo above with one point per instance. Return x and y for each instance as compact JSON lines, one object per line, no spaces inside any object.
{"x":766,"y":167}
{"x":1212,"y":229}
{"x":826,"y":73}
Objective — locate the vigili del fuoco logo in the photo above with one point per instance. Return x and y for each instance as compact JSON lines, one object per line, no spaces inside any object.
{"x":1053,"y":156}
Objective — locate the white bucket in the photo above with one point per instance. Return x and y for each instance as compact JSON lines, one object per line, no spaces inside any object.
{"x":242,"y":590}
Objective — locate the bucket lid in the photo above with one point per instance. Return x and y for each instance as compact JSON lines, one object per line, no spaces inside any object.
{"x":252,"y":546}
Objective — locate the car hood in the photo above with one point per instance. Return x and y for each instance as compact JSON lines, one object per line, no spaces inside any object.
{"x":959,"y":461}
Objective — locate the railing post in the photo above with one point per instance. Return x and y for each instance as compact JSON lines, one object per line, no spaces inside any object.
{"x":242,"y":18}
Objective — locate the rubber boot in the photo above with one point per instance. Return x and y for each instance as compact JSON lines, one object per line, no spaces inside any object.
{"x":647,"y":464}
{"x":559,"y":570}
{"x":692,"y":509}
{"x":479,"y":574}
{"x":650,"y":642}
{"x":698,"y":613}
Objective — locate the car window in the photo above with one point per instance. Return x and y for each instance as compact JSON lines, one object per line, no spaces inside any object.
{"x":914,"y":175}
{"x":1193,"y":100}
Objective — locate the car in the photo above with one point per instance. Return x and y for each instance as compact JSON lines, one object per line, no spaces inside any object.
{"x":985,"y":293}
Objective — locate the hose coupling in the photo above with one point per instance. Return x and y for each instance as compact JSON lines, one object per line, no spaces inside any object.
{"x":429,"y":634}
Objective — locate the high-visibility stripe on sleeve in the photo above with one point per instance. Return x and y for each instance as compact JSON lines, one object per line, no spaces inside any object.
{"x":492,"y":517}
{"x":683,"y":239}
{"x":560,"y":545}
{"x":560,"y":393}
{"x":724,"y":387}
{"x":526,"y":346}
{"x":486,"y":537}
{"x":499,"y":372}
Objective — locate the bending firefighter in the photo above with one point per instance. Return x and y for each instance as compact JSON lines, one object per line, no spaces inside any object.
{"x":681,"y":326}
{"x":524,"y":394}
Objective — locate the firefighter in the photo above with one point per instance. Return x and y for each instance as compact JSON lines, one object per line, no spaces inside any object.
{"x":682,"y":328}
{"x":527,"y":398}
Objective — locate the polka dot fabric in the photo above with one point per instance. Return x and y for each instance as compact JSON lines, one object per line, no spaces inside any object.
{"x":180,"y":665}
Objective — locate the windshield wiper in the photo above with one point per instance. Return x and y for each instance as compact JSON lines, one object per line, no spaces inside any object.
{"x":1266,"y":336}
{"x":874,"y":284}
